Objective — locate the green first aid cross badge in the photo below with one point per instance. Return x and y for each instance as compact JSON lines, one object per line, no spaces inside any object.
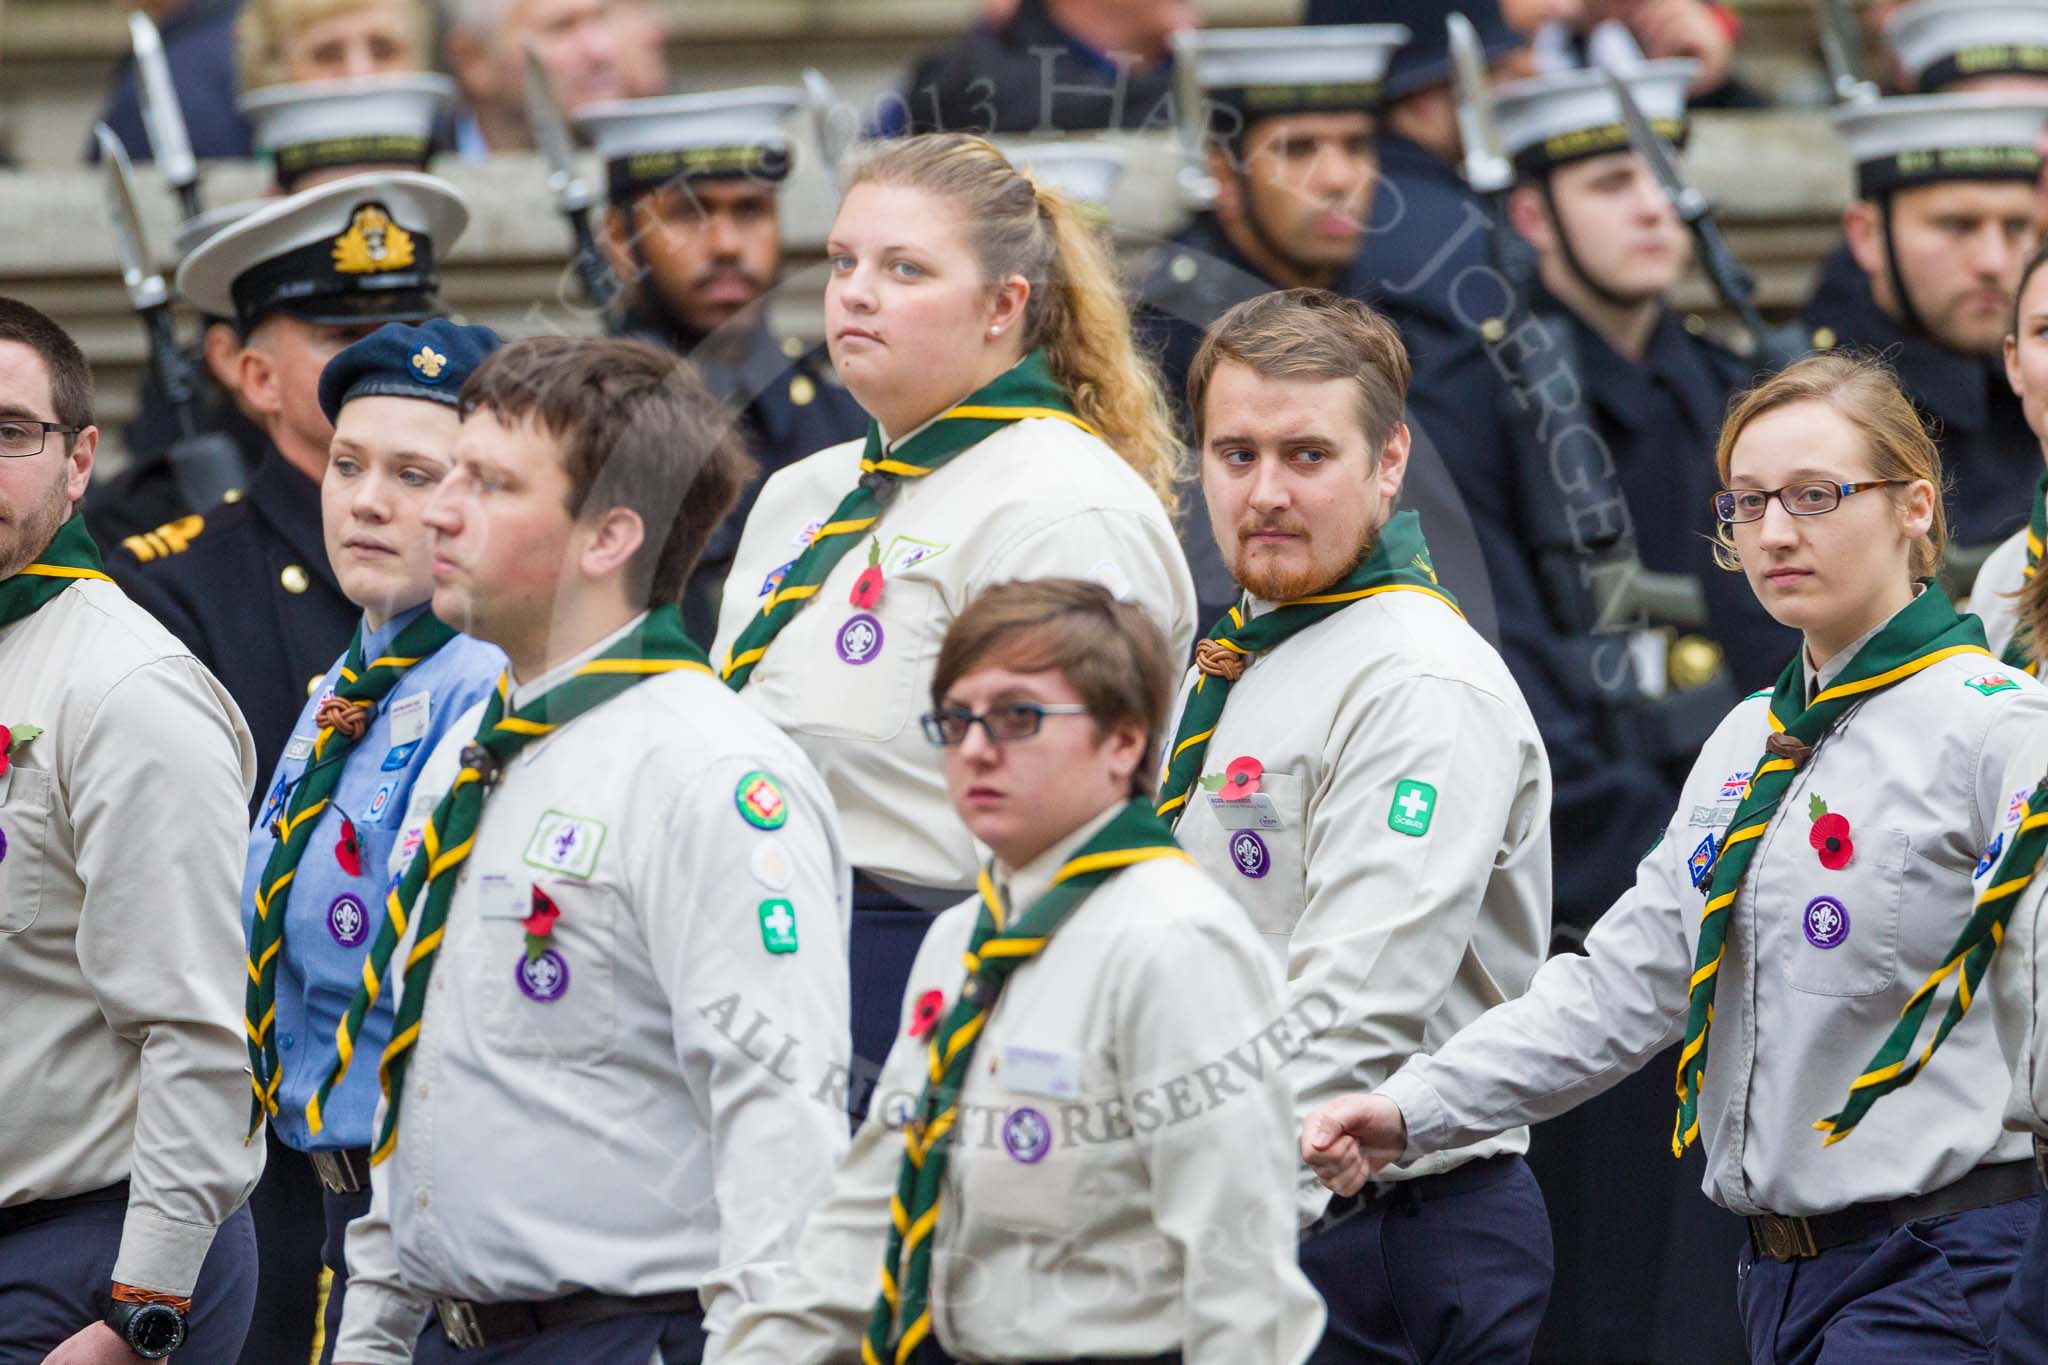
{"x":1413,"y":809}
{"x":778,"y":926}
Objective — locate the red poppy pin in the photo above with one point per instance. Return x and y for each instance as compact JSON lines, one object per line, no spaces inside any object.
{"x":925,"y":1017}
{"x":867,"y":589}
{"x":1830,"y":835}
{"x":13,"y":739}
{"x":540,"y":925}
{"x":348,"y":852}
{"x":1241,"y":778}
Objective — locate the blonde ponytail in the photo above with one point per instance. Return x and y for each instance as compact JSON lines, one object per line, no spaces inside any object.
{"x":1076,"y":311}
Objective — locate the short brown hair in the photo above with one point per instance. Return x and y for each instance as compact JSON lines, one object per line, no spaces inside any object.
{"x":70,"y":375}
{"x":637,"y":429}
{"x":1111,"y":652}
{"x":1863,"y":389}
{"x":1309,"y":334}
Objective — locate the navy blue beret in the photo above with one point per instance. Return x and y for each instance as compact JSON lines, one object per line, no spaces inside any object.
{"x":429,"y":361}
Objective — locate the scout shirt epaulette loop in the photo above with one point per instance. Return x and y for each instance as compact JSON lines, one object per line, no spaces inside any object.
{"x":171,"y":538}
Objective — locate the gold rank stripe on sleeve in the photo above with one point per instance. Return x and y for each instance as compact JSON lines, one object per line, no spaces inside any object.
{"x":1967,"y":961}
{"x":1923,"y":634}
{"x":69,"y":558}
{"x":171,"y":538}
{"x":999,"y":947}
{"x":1027,"y":390}
{"x":658,"y":646}
{"x":363,"y":687}
{"x":1398,"y":562}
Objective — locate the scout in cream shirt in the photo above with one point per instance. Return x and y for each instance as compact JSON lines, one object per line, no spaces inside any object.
{"x":1103,"y":1084}
{"x":1356,"y":766}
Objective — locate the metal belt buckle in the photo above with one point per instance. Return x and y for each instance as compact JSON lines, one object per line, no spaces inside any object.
{"x":335,"y":1172}
{"x":2041,"y":1160}
{"x":1785,"y":1239}
{"x":459,"y":1324}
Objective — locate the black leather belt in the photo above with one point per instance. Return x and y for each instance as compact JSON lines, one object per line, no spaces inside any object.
{"x":474,"y":1326}
{"x":2041,"y":1161}
{"x":15,"y":1217}
{"x":1791,"y":1239}
{"x":343,"y":1172}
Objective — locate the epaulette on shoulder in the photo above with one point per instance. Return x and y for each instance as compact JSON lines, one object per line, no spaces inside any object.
{"x":171,"y":538}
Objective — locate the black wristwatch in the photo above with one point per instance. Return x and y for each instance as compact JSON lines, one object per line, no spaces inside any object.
{"x":152,"y":1330}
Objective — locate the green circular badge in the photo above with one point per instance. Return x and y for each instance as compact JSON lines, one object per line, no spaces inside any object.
{"x":760,"y":801}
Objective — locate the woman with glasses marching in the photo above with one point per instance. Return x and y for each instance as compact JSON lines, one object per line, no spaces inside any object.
{"x":1812,"y":877}
{"x":2011,"y":567}
{"x":1015,"y":433}
{"x":1082,"y":1146}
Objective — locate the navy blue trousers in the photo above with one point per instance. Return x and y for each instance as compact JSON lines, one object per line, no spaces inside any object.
{"x":883,"y":947}
{"x":54,"y":1276}
{"x":617,"y":1341}
{"x":1454,"y":1267}
{"x":340,"y":1211}
{"x":2023,"y":1321}
{"x":1927,"y":1291}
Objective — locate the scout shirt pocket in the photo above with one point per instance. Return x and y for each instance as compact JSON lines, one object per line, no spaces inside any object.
{"x":1017,"y":1158}
{"x":24,"y":832}
{"x":1840,"y":925}
{"x":558,"y":1003}
{"x":1255,"y":848}
{"x":874,"y":661}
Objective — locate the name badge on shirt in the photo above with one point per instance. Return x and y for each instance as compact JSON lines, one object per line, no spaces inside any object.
{"x":409,"y":718}
{"x":499,"y":897}
{"x":1038,"y":1071}
{"x":1256,"y":811}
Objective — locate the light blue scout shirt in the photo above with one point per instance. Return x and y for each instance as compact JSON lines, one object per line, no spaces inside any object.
{"x":332,"y":917}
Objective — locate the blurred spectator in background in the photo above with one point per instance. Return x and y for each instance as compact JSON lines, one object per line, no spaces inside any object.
{"x":594,"y":51}
{"x":282,"y":42}
{"x":1624,"y":33}
{"x":1044,"y":65}
{"x":199,"y":47}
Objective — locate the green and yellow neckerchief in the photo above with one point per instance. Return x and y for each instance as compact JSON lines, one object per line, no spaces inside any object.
{"x":658,"y":645}
{"x":363,"y":685}
{"x":1398,"y":562}
{"x":1027,"y":389}
{"x":1922,"y":634}
{"x":69,"y":556}
{"x":1001,"y":944}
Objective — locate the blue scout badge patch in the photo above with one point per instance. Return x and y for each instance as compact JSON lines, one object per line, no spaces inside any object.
{"x":1826,"y":922}
{"x":1700,"y":865}
{"x":1027,"y":1135}
{"x":1990,"y":854}
{"x":543,"y":979}
{"x":273,"y":805}
{"x":1248,"y":854}
{"x":760,"y":801}
{"x":775,"y":577}
{"x":381,"y":801}
{"x":859,"y":640}
{"x":400,"y":755}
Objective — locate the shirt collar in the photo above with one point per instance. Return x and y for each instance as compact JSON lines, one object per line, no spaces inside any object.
{"x":525,"y":694}
{"x":376,"y":643}
{"x":1819,"y":680}
{"x":1027,"y":883}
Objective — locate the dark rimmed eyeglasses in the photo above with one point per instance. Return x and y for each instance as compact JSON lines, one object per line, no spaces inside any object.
{"x":1733,"y":506}
{"x":21,"y":438}
{"x":1010,"y":721}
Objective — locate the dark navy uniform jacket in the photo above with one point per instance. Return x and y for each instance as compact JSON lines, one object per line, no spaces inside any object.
{"x":791,"y":404}
{"x":1659,"y":420}
{"x":993,"y":81}
{"x":199,"y":48}
{"x":145,"y":495}
{"x":1989,"y":454}
{"x":251,"y":594}
{"x":1193,"y":278}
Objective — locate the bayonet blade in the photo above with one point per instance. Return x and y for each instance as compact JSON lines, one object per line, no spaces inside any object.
{"x":1841,"y":48}
{"x":1487,"y":170}
{"x":1657,"y":153}
{"x":551,"y":137}
{"x":145,"y":287}
{"x":162,"y":116}
{"x":824,"y":102}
